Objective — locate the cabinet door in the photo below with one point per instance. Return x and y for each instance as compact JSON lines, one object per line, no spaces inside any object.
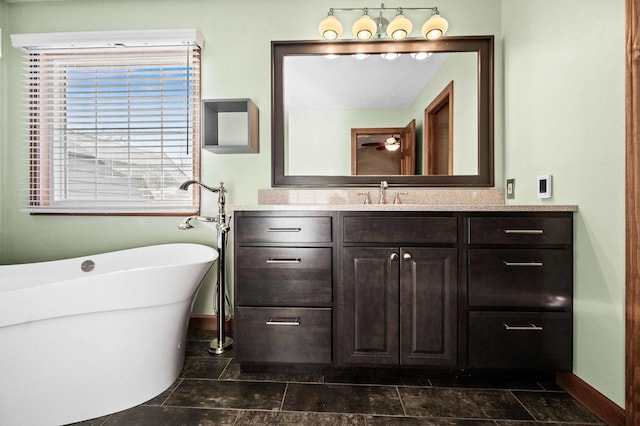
{"x":428,"y":306}
{"x":370,"y":312}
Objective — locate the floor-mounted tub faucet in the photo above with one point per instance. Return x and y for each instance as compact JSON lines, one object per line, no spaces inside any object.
{"x":383,"y":186}
{"x":222,"y":343}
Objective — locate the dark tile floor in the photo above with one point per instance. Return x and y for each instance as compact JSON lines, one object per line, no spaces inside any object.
{"x":213,"y":391}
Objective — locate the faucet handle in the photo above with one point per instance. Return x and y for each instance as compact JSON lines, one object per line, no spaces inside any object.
{"x":366,"y":197}
{"x":396,"y":198}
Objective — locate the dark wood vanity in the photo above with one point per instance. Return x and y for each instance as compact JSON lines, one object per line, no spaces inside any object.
{"x":455,"y":289}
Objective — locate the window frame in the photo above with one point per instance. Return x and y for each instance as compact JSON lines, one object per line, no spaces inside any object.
{"x":41,"y":188}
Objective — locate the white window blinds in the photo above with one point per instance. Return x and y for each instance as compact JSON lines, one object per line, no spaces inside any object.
{"x":113,"y":121}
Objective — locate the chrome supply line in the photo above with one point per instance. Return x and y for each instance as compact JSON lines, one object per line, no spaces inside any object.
{"x":222,"y":342}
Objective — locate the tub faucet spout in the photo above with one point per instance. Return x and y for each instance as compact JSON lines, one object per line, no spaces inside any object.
{"x":186,"y":223}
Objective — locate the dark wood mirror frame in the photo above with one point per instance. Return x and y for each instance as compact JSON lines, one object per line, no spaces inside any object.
{"x":483,"y":45}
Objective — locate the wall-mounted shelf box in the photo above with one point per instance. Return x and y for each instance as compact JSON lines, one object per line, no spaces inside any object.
{"x":230,"y":126}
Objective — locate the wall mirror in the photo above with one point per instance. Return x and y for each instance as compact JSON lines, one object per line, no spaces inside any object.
{"x":322,"y":91}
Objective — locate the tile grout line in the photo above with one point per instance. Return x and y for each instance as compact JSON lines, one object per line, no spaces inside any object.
{"x":523,"y":406}
{"x":181,"y":379}
{"x":404,"y":411}
{"x":224,"y":369}
{"x":284,"y":395}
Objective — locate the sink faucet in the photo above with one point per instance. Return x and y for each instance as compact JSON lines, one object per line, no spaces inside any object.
{"x":383,"y":185}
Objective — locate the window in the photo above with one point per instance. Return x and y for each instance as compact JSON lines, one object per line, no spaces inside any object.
{"x":113,"y":121}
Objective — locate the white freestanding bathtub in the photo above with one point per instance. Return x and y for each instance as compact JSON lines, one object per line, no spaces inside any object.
{"x":76,"y":345}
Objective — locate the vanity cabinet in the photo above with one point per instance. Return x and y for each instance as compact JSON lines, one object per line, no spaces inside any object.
{"x":283,"y":288}
{"x":520,"y":291}
{"x":458,"y":289}
{"x":397,"y":291}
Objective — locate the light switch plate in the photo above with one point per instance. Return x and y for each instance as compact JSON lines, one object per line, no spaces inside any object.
{"x":544,"y":186}
{"x":511,"y":189}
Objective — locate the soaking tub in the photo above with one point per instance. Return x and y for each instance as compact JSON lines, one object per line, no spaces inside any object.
{"x":85,"y":337}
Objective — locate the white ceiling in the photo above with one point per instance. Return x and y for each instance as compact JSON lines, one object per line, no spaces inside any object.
{"x":343,"y":82}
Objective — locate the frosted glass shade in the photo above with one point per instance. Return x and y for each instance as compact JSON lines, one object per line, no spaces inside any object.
{"x":330,"y":28}
{"x":399,"y":28}
{"x":435,"y":27}
{"x":364,"y":28}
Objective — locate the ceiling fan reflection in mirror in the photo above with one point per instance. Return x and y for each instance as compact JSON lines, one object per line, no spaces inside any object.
{"x":391,"y":143}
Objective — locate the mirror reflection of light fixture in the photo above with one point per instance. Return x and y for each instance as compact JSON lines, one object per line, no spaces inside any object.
{"x":330,"y":28}
{"x":420,"y":56}
{"x":392,"y":144}
{"x":367,"y":27}
{"x":390,"y":56}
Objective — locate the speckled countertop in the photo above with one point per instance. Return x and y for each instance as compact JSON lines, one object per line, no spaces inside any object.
{"x":410,"y":207}
{"x":411,"y":199}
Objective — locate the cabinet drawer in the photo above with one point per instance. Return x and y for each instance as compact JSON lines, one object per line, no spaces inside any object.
{"x":392,"y":229}
{"x":283,"y":335}
{"x":289,"y":229}
{"x":538,"y":278}
{"x":283,"y":276}
{"x":520,"y":230}
{"x":524,"y":340}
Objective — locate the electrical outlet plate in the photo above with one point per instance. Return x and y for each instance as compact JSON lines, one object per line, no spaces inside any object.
{"x":511,"y":189}
{"x":544,"y":186}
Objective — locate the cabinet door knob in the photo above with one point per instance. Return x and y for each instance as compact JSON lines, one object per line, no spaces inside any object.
{"x":394,"y":256}
{"x":406,"y":256}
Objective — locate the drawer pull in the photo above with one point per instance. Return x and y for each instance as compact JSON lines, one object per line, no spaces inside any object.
{"x":530,"y":327}
{"x":287,"y":260}
{"x":506,"y":263}
{"x":524,"y":231}
{"x":284,"y":229}
{"x":284,"y":321}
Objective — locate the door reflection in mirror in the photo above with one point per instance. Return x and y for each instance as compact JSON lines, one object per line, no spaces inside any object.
{"x":384,"y":151}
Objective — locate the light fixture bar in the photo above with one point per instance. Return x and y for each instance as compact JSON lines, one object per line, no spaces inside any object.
{"x":382,"y":8}
{"x":367,"y":26}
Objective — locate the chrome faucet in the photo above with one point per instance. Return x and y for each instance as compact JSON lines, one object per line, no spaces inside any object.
{"x":222,"y":342}
{"x":383,"y":185}
{"x":186,"y":224}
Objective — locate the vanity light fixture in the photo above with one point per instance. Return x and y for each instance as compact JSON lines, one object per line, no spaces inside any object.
{"x":366,"y":27}
{"x":435,"y":27}
{"x":330,"y":28}
{"x":400,"y":27}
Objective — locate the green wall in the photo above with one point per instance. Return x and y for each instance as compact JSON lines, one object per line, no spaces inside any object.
{"x":564,"y":115}
{"x":3,"y":126}
{"x":559,"y":110}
